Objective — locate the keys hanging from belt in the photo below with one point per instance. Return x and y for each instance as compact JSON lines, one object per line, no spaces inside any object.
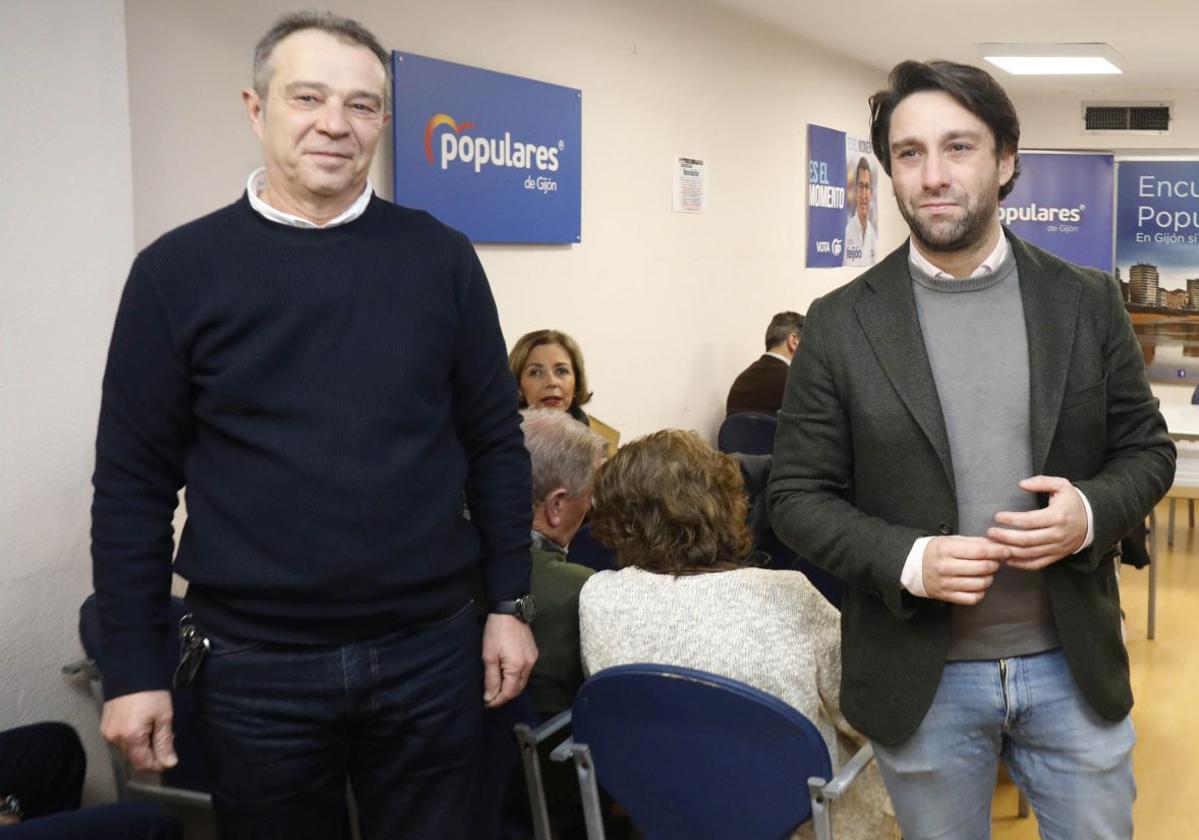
{"x":192,"y":648}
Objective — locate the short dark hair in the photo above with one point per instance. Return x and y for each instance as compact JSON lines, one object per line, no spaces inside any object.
{"x":347,"y":29}
{"x":863,"y":166}
{"x":781,"y":326}
{"x":971,"y":87}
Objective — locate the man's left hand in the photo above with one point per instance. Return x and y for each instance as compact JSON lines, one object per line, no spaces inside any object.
{"x":508,"y":656}
{"x":1045,"y":535}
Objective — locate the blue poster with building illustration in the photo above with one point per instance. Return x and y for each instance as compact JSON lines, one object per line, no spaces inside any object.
{"x":826,"y":197}
{"x":1157,"y":262}
{"x":498,"y":157}
{"x":1062,"y":202}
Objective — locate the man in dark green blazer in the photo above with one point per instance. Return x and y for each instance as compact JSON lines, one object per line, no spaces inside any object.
{"x":967,"y":433}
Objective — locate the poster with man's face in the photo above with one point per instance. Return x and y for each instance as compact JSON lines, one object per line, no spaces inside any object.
{"x":861,"y":203}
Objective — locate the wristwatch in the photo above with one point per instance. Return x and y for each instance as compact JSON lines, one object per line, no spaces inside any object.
{"x":10,"y":806}
{"x":524,"y":608}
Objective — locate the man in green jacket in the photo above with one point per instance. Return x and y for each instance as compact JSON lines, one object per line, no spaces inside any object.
{"x":564,"y":454}
{"x":966,"y":434}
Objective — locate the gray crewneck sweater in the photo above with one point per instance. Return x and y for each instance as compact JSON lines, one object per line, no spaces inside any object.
{"x":978,"y":349}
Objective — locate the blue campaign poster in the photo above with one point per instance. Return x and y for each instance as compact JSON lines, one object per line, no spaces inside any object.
{"x":1062,"y":202}
{"x":826,"y":197}
{"x":1157,"y":261}
{"x":498,"y":157}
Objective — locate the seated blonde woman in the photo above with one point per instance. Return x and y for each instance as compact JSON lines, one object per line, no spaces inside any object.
{"x":673,"y":509}
{"x":549,"y":372}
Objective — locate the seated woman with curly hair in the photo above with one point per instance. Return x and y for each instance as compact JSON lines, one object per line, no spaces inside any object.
{"x":673,"y":509}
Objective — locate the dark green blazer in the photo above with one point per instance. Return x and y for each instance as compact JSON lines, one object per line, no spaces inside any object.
{"x":862,"y":469}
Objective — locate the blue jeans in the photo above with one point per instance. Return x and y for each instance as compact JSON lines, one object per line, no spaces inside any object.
{"x":399,"y":717}
{"x":1074,"y":766}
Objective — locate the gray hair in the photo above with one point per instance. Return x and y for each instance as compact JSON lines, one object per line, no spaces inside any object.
{"x":563,"y":451}
{"x":781,"y":326}
{"x":348,"y":30}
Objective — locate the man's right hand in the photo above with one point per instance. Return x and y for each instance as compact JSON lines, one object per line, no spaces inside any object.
{"x":139,"y":725}
{"x":960,"y":569}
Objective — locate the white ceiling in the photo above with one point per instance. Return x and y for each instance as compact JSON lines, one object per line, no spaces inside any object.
{"x":1158,"y":38}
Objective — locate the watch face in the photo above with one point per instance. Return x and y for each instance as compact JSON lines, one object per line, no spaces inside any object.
{"x":527,"y":609}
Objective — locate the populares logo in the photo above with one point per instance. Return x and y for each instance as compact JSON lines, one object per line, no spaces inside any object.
{"x":454,"y":144}
{"x":1035,"y":213}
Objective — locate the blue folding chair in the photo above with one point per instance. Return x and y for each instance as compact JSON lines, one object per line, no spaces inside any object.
{"x":187,"y":782}
{"x":696,"y":755}
{"x":748,"y":432}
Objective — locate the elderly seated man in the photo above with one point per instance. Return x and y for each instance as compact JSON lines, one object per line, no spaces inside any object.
{"x":564,"y":456}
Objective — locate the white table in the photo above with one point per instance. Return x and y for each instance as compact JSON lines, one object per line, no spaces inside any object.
{"x":1182,"y":421}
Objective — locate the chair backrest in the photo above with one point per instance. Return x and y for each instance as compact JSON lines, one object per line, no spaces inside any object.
{"x":191,"y":773}
{"x":748,"y":432}
{"x":586,"y":550}
{"x":693,"y":754}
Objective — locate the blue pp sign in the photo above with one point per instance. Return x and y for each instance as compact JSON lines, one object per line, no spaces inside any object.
{"x":498,"y":157}
{"x":1062,"y":202}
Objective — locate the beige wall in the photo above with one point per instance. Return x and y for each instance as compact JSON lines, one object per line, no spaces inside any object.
{"x":66,"y":238}
{"x":667,"y":307}
{"x":1053,"y":120}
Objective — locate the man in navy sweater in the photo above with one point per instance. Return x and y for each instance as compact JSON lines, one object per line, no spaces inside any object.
{"x":325,"y":374}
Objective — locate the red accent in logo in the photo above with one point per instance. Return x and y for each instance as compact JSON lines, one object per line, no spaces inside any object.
{"x":439,"y":120}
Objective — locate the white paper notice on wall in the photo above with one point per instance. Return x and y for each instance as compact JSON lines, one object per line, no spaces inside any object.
{"x":690,"y":185}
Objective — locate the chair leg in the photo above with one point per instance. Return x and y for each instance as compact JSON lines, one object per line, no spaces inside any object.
{"x":1170,"y":526}
{"x":1153,"y":562}
{"x":534,"y":783}
{"x":821,"y":819}
{"x":1022,"y":808}
{"x":1190,"y":513}
{"x":592,"y":813}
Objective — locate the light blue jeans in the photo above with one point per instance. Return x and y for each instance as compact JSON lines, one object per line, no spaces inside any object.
{"x":1074,"y":766}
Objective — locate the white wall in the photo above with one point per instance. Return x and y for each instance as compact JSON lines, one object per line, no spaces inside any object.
{"x":67,"y":239}
{"x":667,"y":307}
{"x":1053,"y":120}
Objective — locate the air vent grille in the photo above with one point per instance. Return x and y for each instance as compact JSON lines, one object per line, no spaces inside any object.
{"x":1112,"y":118}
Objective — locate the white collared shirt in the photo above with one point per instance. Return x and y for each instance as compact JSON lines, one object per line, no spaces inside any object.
{"x":993,"y":261}
{"x":779,"y":356}
{"x":257,"y":182}
{"x":911,"y":577}
{"x":860,"y":245}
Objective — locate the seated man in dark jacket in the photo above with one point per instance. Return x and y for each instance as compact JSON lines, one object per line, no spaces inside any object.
{"x":760,"y":386}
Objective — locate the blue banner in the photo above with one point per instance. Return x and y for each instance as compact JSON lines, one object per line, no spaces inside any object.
{"x":498,"y":157}
{"x":826,"y":197}
{"x":1157,"y":261}
{"x":1063,"y":203}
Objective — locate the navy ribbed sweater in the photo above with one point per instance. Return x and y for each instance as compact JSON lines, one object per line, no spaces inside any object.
{"x":329,"y":398}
